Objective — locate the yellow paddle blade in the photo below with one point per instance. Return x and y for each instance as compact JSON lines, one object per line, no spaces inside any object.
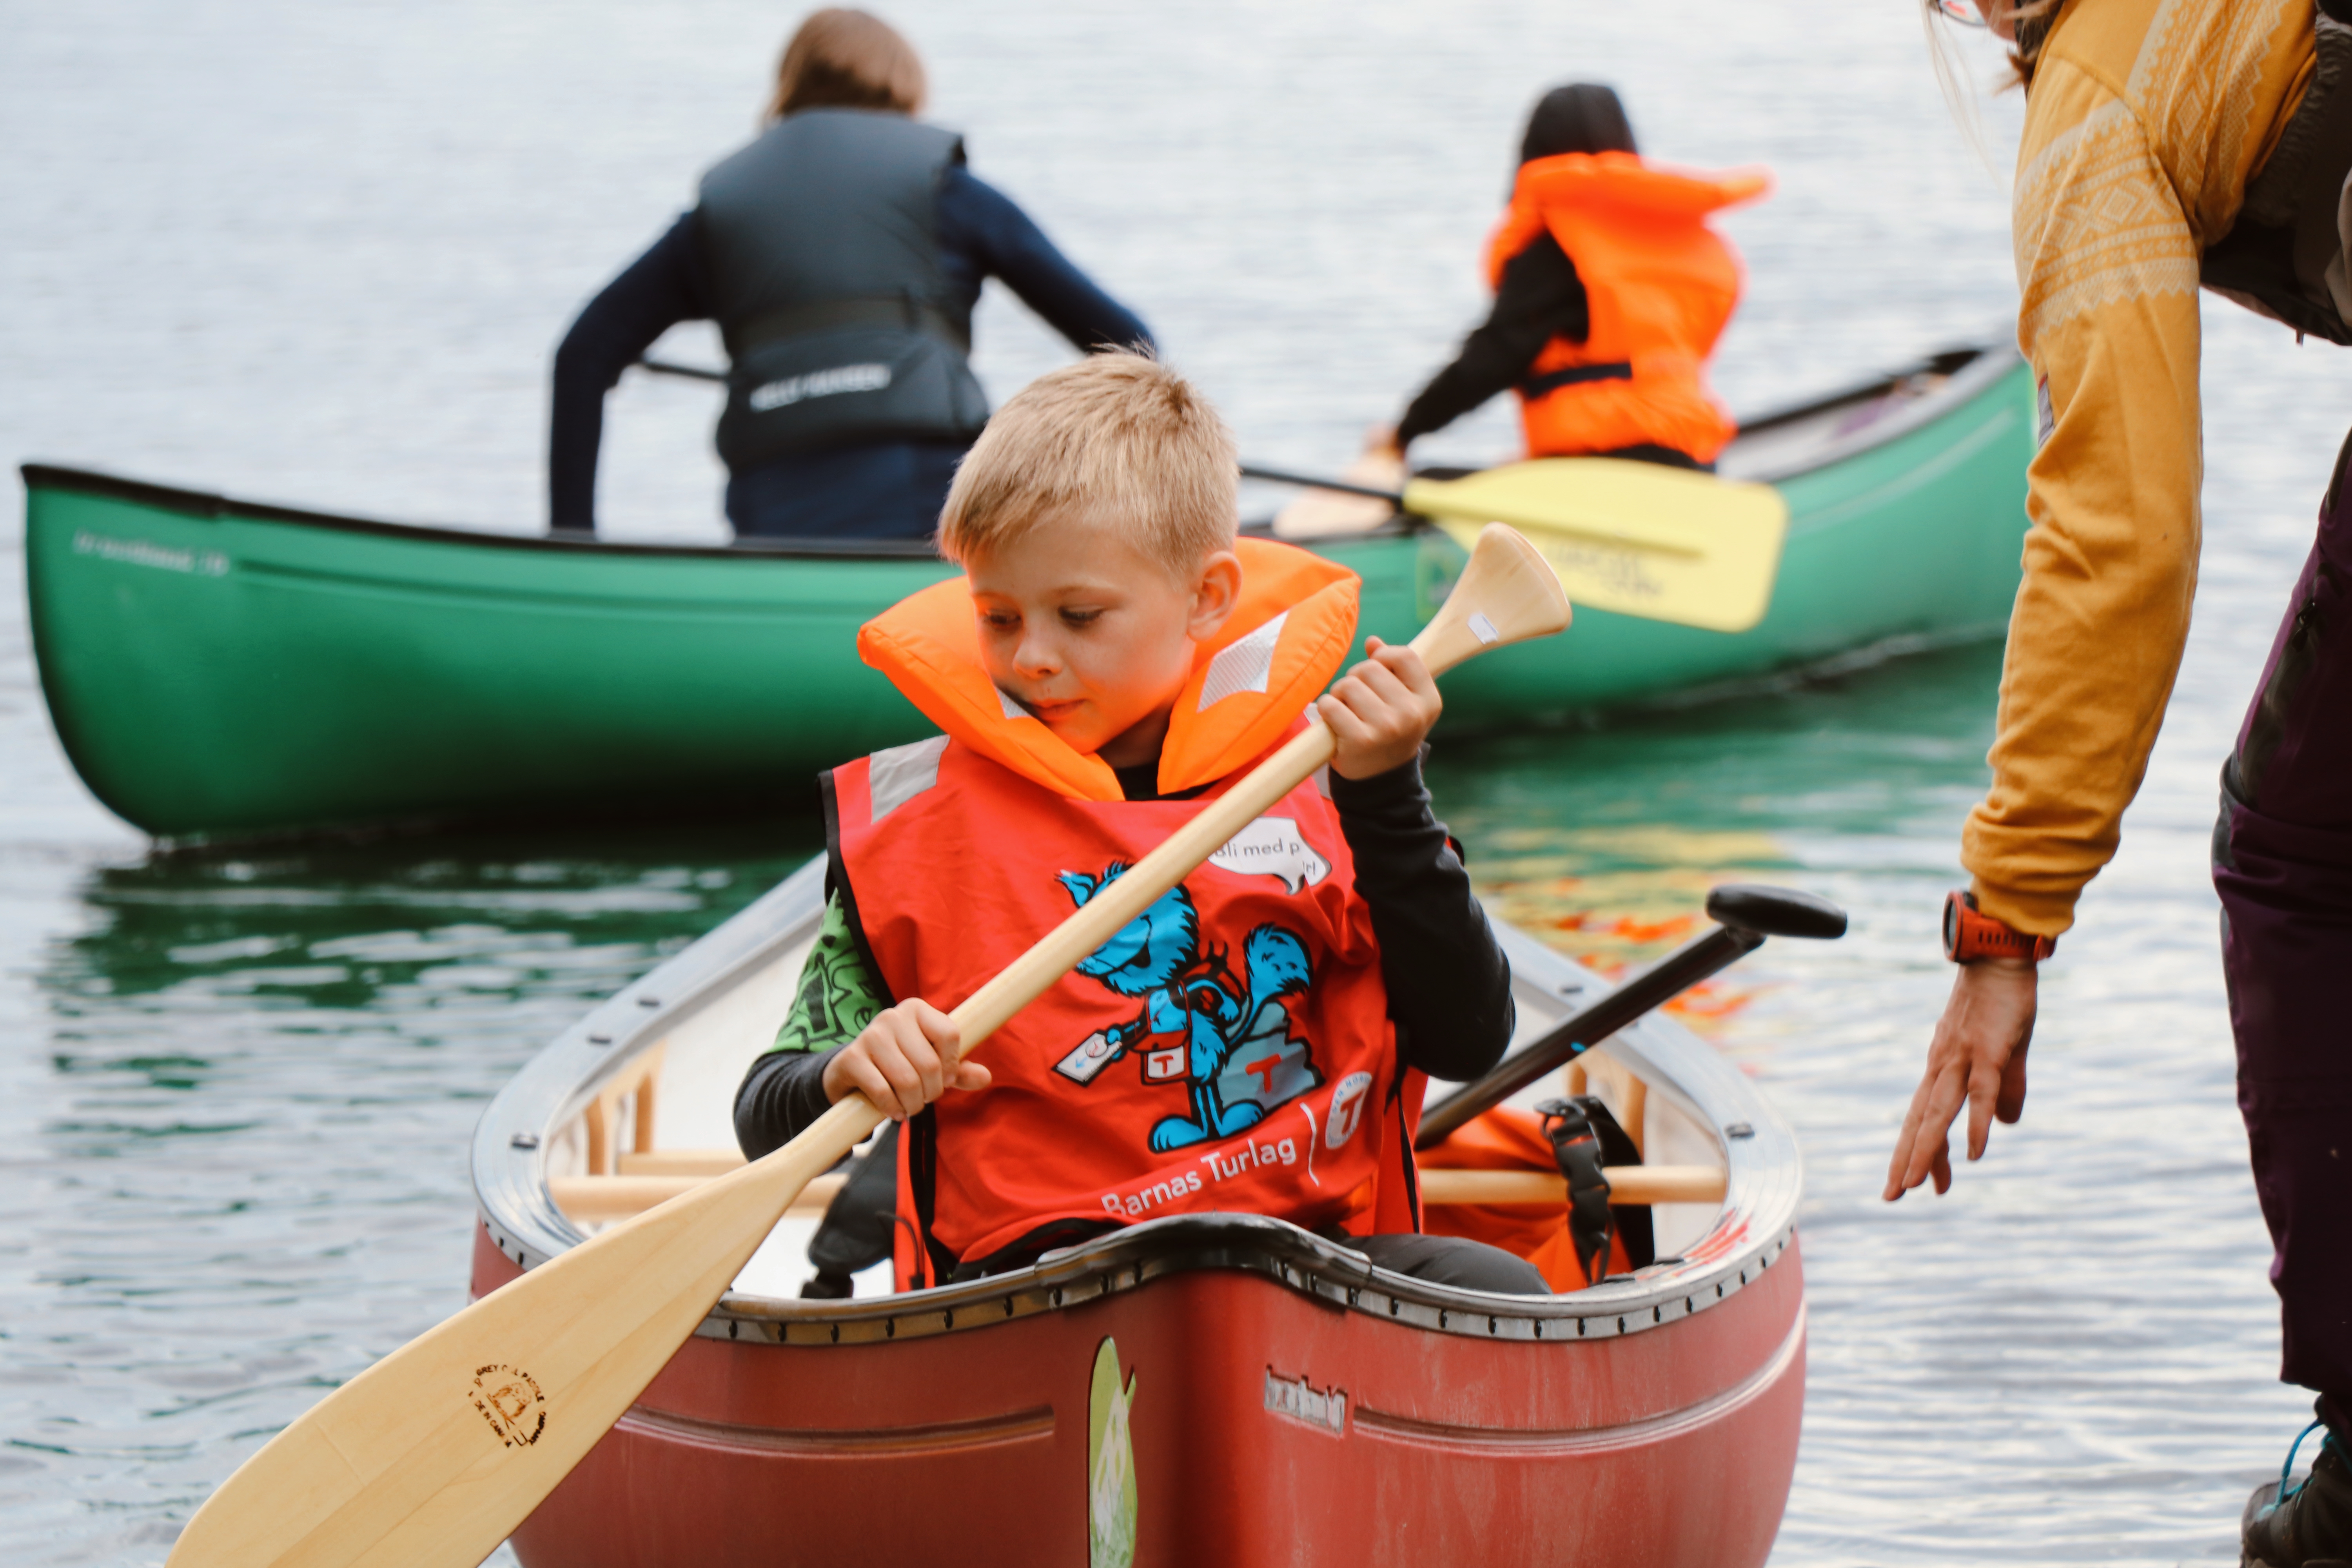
{"x":1639,"y":539}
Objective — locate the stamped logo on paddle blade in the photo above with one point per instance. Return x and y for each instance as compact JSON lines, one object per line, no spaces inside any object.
{"x":510,"y":1402}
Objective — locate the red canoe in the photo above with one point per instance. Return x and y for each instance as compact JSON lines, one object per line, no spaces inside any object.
{"x":1209,"y":1389}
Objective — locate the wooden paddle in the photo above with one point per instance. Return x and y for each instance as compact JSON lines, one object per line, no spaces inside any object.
{"x":432,"y":1456}
{"x":1638,"y":539}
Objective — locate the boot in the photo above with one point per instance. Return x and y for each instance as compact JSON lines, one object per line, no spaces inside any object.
{"x":2306,"y":1526}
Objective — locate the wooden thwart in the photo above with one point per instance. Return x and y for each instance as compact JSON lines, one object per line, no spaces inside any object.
{"x":598,"y":1200}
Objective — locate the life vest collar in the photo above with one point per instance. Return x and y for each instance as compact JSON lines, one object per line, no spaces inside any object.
{"x":1292,"y":624}
{"x":1619,"y":183}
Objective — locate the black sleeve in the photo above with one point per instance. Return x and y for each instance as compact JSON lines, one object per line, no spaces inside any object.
{"x":1541,"y":299}
{"x":667,"y":284}
{"x":1449,"y":985}
{"x":782,"y":1093}
{"x":982,"y":222}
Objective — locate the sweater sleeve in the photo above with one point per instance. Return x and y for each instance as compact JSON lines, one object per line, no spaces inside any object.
{"x":665,"y":286}
{"x":1449,"y":985}
{"x":839,"y":994}
{"x":2140,"y":139}
{"x":1540,"y":298}
{"x":982,"y":223}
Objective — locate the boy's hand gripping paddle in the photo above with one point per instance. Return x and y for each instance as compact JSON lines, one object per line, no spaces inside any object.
{"x":434,"y":1454}
{"x":1637,"y":539}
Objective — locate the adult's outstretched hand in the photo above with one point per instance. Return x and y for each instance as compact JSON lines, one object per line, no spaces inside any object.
{"x":1977,"y":1058}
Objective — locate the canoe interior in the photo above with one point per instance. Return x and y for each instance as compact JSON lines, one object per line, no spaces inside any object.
{"x":1264,"y":1368}
{"x":219,"y":669}
{"x":668,"y":1116}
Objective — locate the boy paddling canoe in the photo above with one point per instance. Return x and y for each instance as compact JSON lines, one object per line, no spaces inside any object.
{"x":1112,"y":659}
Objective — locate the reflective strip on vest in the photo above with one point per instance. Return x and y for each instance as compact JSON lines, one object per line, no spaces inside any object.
{"x":821,"y":241}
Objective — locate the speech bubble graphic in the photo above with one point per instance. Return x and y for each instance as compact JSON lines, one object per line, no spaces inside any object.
{"x":1272,"y":846}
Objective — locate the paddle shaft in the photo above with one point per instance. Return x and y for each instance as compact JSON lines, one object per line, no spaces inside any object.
{"x":689,"y":371}
{"x":1284,"y":476}
{"x":1661,"y":983}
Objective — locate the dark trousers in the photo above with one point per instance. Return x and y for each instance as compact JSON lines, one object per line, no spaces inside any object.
{"x":882,"y":490}
{"x":2282,"y":865}
{"x":1455,"y":1260}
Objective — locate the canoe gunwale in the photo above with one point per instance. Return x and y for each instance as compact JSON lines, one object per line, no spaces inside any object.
{"x":1755,"y":1227}
{"x":1971,"y":369}
{"x":1971,"y":379}
{"x":213,"y":507}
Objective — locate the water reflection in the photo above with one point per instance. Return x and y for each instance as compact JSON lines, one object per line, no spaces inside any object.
{"x":246,"y":1178}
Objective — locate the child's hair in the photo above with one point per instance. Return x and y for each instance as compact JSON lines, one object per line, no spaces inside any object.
{"x":1117,"y":434}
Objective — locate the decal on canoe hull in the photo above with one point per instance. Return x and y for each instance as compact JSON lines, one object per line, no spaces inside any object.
{"x":1110,"y":1463}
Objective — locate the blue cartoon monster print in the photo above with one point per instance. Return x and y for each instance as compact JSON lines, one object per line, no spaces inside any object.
{"x":1226,"y":1037}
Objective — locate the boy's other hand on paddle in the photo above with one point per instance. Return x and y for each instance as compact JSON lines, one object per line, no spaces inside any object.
{"x":906,"y":1057}
{"x":1380,"y":711}
{"x":1976,"y":1060}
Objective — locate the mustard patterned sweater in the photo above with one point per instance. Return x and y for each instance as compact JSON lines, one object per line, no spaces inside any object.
{"x":2144,"y":120}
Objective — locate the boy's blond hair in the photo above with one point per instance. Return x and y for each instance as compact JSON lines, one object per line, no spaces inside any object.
{"x":1116,"y":435}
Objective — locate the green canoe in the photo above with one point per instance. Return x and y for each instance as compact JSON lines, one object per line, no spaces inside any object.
{"x":220,"y":668}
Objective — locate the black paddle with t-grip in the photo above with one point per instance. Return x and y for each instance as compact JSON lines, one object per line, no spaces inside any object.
{"x":1744,"y":914}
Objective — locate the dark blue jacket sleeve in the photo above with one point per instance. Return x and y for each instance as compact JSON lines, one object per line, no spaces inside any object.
{"x":980,"y":225}
{"x":667,"y":284}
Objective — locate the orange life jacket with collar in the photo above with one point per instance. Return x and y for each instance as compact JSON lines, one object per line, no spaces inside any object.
{"x":1660,"y":287}
{"x":1229,"y":1049}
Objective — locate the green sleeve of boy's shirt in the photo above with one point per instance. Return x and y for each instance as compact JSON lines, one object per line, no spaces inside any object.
{"x":838,"y":996}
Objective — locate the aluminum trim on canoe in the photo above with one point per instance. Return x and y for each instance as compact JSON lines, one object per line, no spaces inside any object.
{"x":1754,"y":1228}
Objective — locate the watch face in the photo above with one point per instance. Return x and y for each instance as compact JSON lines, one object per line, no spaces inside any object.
{"x":1952,"y":926}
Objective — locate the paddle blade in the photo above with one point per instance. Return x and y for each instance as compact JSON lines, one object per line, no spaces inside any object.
{"x":432,"y":1456}
{"x":1507,"y":593}
{"x":1637,"y":539}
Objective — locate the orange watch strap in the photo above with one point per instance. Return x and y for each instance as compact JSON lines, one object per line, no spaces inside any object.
{"x":1970,"y":934}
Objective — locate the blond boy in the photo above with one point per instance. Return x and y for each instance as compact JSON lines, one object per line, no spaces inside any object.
{"x":1112,"y":656}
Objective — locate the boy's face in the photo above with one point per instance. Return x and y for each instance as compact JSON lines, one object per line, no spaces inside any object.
{"x":1094,"y":636}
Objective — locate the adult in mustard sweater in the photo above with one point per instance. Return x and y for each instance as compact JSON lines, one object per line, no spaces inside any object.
{"x":2170,"y":142}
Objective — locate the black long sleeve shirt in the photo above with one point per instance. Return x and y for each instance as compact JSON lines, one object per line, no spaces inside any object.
{"x":981,"y":235}
{"x":1449,"y":985}
{"x":1540,"y":298}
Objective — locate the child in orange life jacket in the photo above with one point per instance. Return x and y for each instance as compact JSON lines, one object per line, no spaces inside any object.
{"x":1256,"y":1040}
{"x":1610,"y":293}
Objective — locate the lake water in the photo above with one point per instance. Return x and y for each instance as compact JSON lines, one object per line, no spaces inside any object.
{"x":318,"y":255}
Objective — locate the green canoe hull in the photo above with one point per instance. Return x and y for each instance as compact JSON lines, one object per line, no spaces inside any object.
{"x":219,"y":669}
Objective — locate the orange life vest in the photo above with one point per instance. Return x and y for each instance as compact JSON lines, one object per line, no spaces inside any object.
{"x":1229,"y":1049}
{"x":1659,"y":286}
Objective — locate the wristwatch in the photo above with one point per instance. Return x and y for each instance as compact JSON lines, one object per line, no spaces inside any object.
{"x":1970,"y":934}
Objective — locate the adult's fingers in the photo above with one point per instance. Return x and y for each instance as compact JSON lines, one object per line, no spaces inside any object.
{"x":1984,"y":1087}
{"x":971,"y":1075}
{"x":2012,"y":1103}
{"x":1938,"y":1100}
